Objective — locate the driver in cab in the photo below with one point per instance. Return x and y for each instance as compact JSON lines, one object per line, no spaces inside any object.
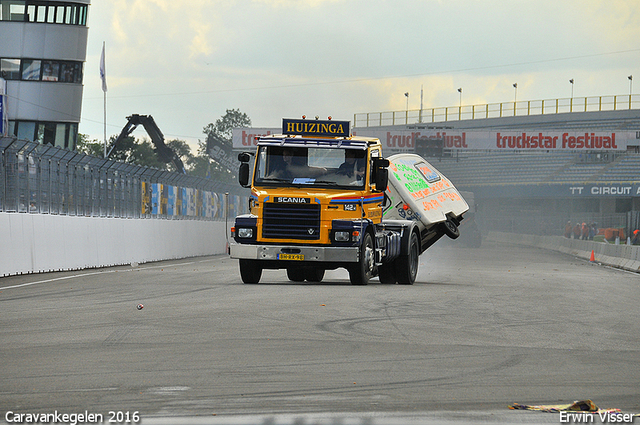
{"x":354,"y":164}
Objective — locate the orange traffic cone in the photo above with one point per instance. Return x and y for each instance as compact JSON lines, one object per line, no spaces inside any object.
{"x":593,"y":257}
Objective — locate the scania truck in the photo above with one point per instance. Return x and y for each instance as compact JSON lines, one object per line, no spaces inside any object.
{"x":323,"y":199}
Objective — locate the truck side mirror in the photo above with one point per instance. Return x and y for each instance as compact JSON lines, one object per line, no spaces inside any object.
{"x":243,"y":174}
{"x":381,"y":174}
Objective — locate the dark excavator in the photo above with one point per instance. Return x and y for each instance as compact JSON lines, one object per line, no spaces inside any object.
{"x":164,"y":152}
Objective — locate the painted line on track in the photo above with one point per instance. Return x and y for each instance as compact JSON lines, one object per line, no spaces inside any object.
{"x":96,"y":273}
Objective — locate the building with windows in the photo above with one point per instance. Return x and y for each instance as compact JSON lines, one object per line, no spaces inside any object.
{"x":42,"y":55}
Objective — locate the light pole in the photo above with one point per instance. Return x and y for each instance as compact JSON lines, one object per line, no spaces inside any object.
{"x":571,"y":102}
{"x":421,"y":98}
{"x":630,"y":77}
{"x":515,"y":97}
{"x":406,"y":119}
{"x":571,"y":81}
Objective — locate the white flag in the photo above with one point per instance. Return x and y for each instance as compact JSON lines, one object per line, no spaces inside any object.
{"x":103,"y":71}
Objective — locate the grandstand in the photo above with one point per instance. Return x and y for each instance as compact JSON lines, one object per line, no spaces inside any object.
{"x":537,"y":190}
{"x":477,"y":169}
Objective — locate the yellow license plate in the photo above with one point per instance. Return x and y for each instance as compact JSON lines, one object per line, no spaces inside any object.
{"x":298,"y":257}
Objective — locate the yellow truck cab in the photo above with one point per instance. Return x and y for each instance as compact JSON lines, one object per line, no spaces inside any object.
{"x":318,"y":197}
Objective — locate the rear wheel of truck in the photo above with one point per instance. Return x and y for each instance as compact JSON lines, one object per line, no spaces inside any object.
{"x":295,"y":274}
{"x":407,"y":265}
{"x":359,"y":274}
{"x":314,"y":275}
{"x":451,"y":229}
{"x":250,"y":271}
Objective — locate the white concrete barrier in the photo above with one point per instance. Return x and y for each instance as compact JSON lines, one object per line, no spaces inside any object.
{"x":623,"y":256}
{"x":32,"y":243}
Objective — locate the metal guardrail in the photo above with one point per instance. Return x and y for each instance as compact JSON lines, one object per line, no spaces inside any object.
{"x":497,"y":110}
{"x":44,"y":179}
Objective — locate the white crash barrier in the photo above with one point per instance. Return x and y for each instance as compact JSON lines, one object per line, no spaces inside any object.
{"x":33,"y":243}
{"x":626,"y":257}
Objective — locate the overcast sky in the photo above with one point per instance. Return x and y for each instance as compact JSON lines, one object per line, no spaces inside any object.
{"x":187,"y":62}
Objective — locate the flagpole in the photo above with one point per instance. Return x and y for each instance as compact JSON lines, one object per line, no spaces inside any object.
{"x":104,"y":121}
{"x":103,"y":77}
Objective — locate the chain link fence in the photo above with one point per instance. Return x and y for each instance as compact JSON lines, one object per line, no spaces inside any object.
{"x":44,"y":179}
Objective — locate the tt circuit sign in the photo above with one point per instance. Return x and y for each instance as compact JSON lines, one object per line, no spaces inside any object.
{"x":558,"y":191}
{"x":398,"y":141}
{"x":629,"y":190}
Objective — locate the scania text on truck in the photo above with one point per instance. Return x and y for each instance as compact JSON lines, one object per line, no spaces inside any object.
{"x":322,"y":199}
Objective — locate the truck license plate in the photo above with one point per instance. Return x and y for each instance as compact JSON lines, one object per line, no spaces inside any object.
{"x":298,"y":257}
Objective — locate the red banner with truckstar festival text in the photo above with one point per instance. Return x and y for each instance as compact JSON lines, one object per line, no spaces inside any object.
{"x":396,"y":141}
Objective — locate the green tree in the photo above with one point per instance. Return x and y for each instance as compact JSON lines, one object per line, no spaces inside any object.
{"x":199,"y":165}
{"x":89,"y":147}
{"x":220,"y":135}
{"x":222,"y":129}
{"x":143,"y":153}
{"x":136,"y":151}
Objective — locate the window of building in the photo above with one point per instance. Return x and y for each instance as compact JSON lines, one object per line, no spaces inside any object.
{"x":50,"y":71}
{"x":66,"y":72}
{"x":10,"y":69}
{"x":16,"y":11}
{"x":60,"y":14}
{"x":62,"y":135}
{"x":60,"y":71}
{"x":43,"y":12}
{"x":31,"y":13}
{"x":82,"y":15}
{"x":30,"y":69}
{"x":25,"y":130}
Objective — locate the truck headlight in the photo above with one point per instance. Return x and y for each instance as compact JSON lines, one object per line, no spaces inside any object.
{"x":342,"y":236}
{"x":244,"y":232}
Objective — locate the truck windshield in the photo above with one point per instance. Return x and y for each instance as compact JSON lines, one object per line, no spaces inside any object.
{"x":329,"y":167}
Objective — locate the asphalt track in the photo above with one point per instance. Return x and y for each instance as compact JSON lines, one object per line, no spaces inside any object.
{"x":480,"y":329}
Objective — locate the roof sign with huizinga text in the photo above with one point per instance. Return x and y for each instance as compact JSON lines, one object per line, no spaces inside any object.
{"x":315,"y":128}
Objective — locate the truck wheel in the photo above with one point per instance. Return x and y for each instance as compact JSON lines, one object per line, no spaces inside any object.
{"x":360,"y":273}
{"x":407,"y":265}
{"x":250,"y":271}
{"x":451,"y":229}
{"x":314,"y":275}
{"x":295,"y":274}
{"x":387,"y":273}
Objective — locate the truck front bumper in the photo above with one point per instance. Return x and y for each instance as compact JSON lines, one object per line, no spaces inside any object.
{"x":323,"y":254}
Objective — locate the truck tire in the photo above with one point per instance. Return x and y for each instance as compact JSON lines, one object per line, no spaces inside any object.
{"x":250,"y":271}
{"x":407,"y":265}
{"x":313,"y":274}
{"x":387,"y":273}
{"x":359,"y":274}
{"x":295,"y":274}
{"x":451,"y":229}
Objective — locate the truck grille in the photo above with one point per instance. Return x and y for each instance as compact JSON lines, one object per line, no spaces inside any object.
{"x":291,"y":221}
